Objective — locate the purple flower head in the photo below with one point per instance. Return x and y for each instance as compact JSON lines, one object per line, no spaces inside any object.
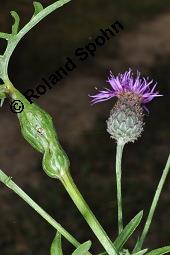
{"x":125,"y":83}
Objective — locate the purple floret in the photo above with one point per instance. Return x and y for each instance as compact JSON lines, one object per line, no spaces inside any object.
{"x":126,"y":82}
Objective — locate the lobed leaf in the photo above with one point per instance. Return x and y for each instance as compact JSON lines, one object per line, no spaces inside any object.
{"x":82,"y":249}
{"x":56,"y":248}
{"x":38,"y":8}
{"x":16,"y":35}
{"x":127,"y":231}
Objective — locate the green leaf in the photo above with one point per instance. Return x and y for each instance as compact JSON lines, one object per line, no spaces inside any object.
{"x":82,"y":249}
{"x":56,"y":248}
{"x":136,"y":245}
{"x":140,"y":252}
{"x":38,"y":8}
{"x":127,"y":231}
{"x":15,"y":26}
{"x":159,"y":251}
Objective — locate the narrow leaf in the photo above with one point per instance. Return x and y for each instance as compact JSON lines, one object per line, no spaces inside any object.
{"x":56,"y":248}
{"x":15,"y":26}
{"x":160,"y":251}
{"x":82,"y":249}
{"x":38,"y":7}
{"x":140,"y":252}
{"x":136,"y":245}
{"x":127,"y":231}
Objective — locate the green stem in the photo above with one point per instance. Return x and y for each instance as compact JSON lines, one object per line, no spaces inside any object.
{"x":118,"y":182}
{"x":88,"y":215}
{"x":13,"y":40}
{"x":10,"y":184}
{"x":153,"y":206}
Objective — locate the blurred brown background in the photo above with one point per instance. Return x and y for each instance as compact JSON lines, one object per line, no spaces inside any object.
{"x":145,"y":45}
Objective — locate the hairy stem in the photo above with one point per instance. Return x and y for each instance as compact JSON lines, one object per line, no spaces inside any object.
{"x":88,"y":215}
{"x":119,"y":186}
{"x":154,"y":205}
{"x":10,"y":184}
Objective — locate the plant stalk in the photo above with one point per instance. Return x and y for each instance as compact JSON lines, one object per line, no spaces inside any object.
{"x":119,"y":152}
{"x":10,"y":184}
{"x":153,"y":206}
{"x":13,"y":40}
{"x":88,"y":215}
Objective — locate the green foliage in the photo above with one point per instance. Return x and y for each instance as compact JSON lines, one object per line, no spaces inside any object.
{"x":160,"y":251}
{"x":135,"y":249}
{"x":16,"y":35}
{"x":15,"y":26}
{"x":126,"y":252}
{"x":82,"y":249}
{"x":38,"y":129}
{"x":56,"y":248}
{"x":142,"y":238}
{"x":4,"y":36}
{"x":38,"y":8}
{"x":142,"y":252}
{"x":128,"y":231}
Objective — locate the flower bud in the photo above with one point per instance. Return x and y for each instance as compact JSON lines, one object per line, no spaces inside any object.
{"x":38,"y":129}
{"x":55,"y":161}
{"x":125,"y":123}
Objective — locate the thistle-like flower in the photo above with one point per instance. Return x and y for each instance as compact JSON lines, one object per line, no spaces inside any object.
{"x":125,"y":123}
